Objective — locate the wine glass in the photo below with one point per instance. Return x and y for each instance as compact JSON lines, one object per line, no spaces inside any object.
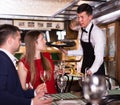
{"x":82,"y":78}
{"x":94,"y":89}
{"x":62,"y":67}
{"x":43,"y":76}
{"x":81,"y":81}
{"x":61,"y":82}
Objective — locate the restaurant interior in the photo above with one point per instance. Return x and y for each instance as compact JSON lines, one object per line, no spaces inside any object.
{"x":54,"y":17}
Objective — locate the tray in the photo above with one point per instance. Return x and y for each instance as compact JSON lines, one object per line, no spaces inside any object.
{"x":62,"y":44}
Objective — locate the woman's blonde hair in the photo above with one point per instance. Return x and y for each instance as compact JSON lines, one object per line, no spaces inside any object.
{"x":30,"y":39}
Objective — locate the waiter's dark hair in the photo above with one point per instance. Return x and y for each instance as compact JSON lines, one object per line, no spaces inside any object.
{"x":7,"y":30}
{"x":85,"y":8}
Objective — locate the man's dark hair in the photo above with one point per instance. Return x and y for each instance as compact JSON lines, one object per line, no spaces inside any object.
{"x":6,"y":30}
{"x":85,"y":8}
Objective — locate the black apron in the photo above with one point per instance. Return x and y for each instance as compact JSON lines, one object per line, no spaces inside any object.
{"x":89,"y":57}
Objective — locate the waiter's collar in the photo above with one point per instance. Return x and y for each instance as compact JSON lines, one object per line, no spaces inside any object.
{"x":88,"y":27}
{"x":84,"y":30}
{"x":13,"y":58}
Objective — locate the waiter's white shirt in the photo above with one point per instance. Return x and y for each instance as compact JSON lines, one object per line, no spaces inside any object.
{"x":98,"y":41}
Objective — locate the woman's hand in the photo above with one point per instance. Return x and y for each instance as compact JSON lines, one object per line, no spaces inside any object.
{"x":38,"y":100}
{"x":41,"y":89}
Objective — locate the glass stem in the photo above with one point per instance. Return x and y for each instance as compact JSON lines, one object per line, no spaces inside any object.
{"x":61,"y":94}
{"x":61,"y":90}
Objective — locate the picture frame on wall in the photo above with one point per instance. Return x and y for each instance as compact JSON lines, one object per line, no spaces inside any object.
{"x":31,"y":24}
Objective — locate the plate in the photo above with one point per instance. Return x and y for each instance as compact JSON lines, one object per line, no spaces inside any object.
{"x":58,"y":43}
{"x":71,"y":102}
{"x":76,"y":75}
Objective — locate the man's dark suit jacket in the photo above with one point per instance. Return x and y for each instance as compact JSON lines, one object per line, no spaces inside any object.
{"x":11,"y":92}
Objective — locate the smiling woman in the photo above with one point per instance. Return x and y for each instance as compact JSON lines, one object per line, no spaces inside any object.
{"x":35,"y":61}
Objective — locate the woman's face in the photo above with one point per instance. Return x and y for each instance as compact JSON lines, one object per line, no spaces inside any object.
{"x":40,"y":43}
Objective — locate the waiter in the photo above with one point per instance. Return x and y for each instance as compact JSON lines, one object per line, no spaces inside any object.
{"x":92,"y":42}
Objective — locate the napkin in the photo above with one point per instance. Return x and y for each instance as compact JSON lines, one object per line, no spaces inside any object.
{"x":71,"y":102}
{"x":114,"y":91}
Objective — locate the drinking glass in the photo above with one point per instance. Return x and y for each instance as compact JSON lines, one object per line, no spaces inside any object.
{"x":62,"y":67}
{"x":43,"y":75}
{"x":81,"y":81}
{"x":82,"y":78}
{"x":94,"y":88}
{"x":61,"y":83}
{"x":44,"y":78}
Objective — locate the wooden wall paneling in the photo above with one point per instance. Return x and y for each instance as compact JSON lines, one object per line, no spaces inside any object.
{"x":117,"y":41}
{"x":107,"y":50}
{"x":106,"y":58}
{"x":53,"y":36}
{"x":111,"y":50}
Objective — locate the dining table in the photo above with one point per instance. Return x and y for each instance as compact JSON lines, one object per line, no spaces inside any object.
{"x":112,"y":97}
{"x":70,"y":98}
{"x":77,"y":99}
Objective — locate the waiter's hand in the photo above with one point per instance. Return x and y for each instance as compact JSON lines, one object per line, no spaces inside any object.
{"x":63,"y":50}
{"x":89,"y":72}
